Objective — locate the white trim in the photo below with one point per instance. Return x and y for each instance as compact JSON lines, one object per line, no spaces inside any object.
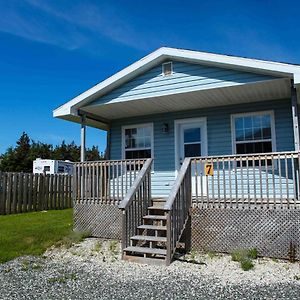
{"x":137,"y":126}
{"x":162,"y":54}
{"x":204,"y":142}
{"x":255,"y":113}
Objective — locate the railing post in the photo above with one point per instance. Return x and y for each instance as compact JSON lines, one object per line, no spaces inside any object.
{"x":124,"y":230}
{"x":169,"y":239}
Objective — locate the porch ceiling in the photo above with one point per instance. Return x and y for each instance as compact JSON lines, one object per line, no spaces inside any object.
{"x":244,"y":93}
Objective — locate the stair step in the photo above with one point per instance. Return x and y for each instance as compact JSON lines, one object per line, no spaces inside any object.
{"x":146,"y":250}
{"x":159,"y":199}
{"x":153,"y":227}
{"x":149,"y":238}
{"x":156,"y":207}
{"x":155,"y":217}
{"x":145,"y":260}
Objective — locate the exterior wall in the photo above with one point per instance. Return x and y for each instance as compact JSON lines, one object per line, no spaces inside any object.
{"x":218,"y":135}
{"x":185,"y":78}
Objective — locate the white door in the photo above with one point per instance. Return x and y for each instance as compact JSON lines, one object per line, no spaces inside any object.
{"x":192,"y":142}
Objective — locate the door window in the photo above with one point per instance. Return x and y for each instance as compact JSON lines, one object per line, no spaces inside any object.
{"x":192,"y":141}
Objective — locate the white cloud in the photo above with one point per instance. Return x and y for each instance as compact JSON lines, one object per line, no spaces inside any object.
{"x":79,"y":25}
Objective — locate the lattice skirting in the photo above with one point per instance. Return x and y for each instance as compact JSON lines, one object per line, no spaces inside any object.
{"x":226,"y":230}
{"x":100,"y":220}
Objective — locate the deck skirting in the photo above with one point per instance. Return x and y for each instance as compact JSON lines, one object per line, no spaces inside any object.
{"x":274,"y":232}
{"x":99,"y":220}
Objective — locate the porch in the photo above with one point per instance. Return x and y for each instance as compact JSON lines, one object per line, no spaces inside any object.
{"x":113,"y":199}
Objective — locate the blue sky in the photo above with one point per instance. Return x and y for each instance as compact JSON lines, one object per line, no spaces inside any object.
{"x":51,"y":51}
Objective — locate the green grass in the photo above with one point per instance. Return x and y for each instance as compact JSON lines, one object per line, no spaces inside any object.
{"x":32,"y":233}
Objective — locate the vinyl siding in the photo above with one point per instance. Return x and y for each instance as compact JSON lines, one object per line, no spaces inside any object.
{"x":219,"y":139}
{"x":186,"y":78}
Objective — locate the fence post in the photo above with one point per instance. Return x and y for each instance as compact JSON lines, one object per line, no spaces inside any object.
{"x":1,"y":193}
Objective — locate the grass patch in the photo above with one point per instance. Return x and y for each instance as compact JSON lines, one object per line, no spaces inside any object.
{"x":32,"y":233}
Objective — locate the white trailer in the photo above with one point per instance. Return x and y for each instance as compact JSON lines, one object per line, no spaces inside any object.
{"x":49,"y":166}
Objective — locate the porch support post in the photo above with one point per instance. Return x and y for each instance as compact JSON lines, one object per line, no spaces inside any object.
{"x":295,"y":116}
{"x":108,"y":141}
{"x":83,"y":139}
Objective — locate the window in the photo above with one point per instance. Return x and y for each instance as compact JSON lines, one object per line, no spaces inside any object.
{"x":137,"y":141}
{"x":253,"y":133}
{"x":192,"y":142}
{"x":61,"y":169}
{"x":167,"y":69}
{"x":46,"y":168}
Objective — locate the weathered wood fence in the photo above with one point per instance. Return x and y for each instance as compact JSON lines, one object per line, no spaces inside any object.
{"x":25,"y":192}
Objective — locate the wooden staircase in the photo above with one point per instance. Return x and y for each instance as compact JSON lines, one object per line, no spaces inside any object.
{"x":152,"y":228}
{"x":150,"y":244}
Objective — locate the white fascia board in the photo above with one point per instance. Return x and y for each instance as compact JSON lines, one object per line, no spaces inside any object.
{"x":247,"y":64}
{"x":233,"y":61}
{"x":110,"y":82}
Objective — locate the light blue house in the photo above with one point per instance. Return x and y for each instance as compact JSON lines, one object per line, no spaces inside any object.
{"x":175,"y":103}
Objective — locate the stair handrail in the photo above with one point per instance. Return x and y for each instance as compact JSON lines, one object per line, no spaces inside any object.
{"x":178,"y":209}
{"x":135,"y":185}
{"x":140,"y":195}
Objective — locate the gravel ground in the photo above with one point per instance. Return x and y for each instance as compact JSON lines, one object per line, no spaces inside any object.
{"x":93,"y":270}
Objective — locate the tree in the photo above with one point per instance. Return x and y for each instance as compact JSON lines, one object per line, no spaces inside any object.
{"x":20,"y":158}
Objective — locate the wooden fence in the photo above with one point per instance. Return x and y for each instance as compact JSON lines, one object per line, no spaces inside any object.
{"x":25,"y":192}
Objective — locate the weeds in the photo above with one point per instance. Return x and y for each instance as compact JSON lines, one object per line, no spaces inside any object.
{"x":113,"y":247}
{"x":63,"y":279}
{"x":247,"y":264}
{"x":74,"y":237}
{"x":113,"y":250}
{"x":212,"y":254}
{"x":98,"y":247}
{"x":193,"y":256}
{"x":25,"y":265}
{"x":245,"y":257}
{"x":36,"y":267}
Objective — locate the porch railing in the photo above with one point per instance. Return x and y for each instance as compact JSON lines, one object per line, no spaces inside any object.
{"x":178,"y":208}
{"x":104,"y":182}
{"x":269,"y":180}
{"x":136,"y":202}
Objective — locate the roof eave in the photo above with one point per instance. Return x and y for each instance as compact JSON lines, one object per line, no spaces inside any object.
{"x":267,"y":67}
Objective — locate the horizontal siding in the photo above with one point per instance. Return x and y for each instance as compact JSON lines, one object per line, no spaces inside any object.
{"x":186,"y":78}
{"x":218,"y":133}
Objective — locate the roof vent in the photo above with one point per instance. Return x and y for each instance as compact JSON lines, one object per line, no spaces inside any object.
{"x":167,"y":68}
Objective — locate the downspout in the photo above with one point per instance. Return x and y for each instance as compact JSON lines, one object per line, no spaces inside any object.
{"x":295,"y":115}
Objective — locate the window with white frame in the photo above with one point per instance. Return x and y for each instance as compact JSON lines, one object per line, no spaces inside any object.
{"x":137,"y":141}
{"x":253,"y":133}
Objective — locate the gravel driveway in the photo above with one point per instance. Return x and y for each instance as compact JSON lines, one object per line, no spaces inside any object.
{"x":90,"y":271}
